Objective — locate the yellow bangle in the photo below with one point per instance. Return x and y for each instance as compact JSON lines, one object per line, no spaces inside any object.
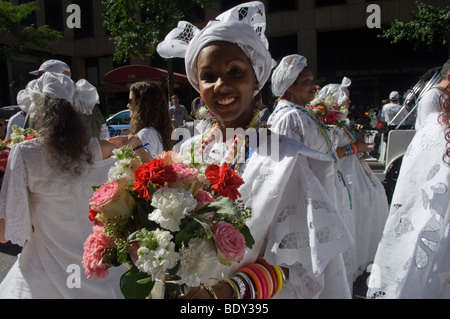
{"x":280,"y":277}
{"x":209,"y":289}
{"x":237,"y":295}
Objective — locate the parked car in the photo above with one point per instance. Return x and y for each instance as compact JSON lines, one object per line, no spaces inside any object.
{"x":7,"y":111}
{"x":394,"y":147}
{"x":119,"y":123}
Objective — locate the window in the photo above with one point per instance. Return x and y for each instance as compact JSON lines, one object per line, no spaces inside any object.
{"x":87,"y":29}
{"x":54,"y":14}
{"x":31,"y":19}
{"x":277,"y":5}
{"x":325,"y":3}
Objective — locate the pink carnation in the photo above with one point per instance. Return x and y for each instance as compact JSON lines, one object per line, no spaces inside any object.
{"x":94,"y":251}
{"x":185,"y":174}
{"x":230,"y":243}
{"x":203,"y":198}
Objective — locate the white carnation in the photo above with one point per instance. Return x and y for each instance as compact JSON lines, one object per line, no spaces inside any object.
{"x":197,"y":262}
{"x":171,"y":206}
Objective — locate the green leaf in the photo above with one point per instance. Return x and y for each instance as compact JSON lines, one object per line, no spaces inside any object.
{"x":249,"y":240}
{"x":135,"y":284}
{"x":223,"y":206}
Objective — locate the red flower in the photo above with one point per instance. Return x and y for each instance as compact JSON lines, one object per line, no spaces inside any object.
{"x":331,"y":118}
{"x":155,"y":172}
{"x":225,"y":181}
{"x":4,"y":154}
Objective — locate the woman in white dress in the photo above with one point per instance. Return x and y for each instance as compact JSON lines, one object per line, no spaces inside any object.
{"x":294,"y":83}
{"x":294,"y":223}
{"x":413,"y":257}
{"x":369,"y":199}
{"x":45,"y":195}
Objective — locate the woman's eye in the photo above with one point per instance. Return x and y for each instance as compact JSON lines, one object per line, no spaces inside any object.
{"x":207,"y":77}
{"x":235,"y":71}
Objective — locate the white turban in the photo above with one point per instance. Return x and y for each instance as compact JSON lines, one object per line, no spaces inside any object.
{"x":82,"y":94}
{"x":339,"y":92}
{"x":243,"y":25}
{"x":287,"y":72}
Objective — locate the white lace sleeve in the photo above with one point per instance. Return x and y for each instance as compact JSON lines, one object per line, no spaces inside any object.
{"x":308,"y":234}
{"x":14,"y":199}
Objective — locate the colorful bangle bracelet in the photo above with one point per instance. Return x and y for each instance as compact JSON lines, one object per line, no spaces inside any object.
{"x":261,"y":279}
{"x":272,"y":274}
{"x":255,"y":281}
{"x":251,"y":287}
{"x":267,"y":278}
{"x":279,"y":276}
{"x":209,"y":289}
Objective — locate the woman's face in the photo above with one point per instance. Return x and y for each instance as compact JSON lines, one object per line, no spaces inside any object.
{"x":130,"y":104}
{"x":227,"y":83}
{"x":303,"y":89}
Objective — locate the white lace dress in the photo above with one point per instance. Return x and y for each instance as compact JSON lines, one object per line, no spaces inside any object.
{"x":294,"y":223}
{"x":369,"y":202}
{"x":413,"y":257}
{"x":293,"y":121}
{"x":47,"y":214}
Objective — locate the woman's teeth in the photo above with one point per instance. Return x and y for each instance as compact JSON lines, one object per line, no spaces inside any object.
{"x":226,"y":101}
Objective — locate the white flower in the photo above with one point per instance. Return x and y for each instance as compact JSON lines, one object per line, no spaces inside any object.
{"x":156,"y":262}
{"x":197,"y":262}
{"x":171,"y":206}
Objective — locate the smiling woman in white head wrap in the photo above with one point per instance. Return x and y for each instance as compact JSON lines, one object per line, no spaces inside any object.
{"x":228,"y":63}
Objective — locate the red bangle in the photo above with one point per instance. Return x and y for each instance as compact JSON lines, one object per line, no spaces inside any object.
{"x":263,"y":262}
{"x":267,"y":278}
{"x":255,"y":280}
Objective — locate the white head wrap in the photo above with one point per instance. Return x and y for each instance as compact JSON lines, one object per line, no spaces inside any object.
{"x":339,"y":92}
{"x":244,"y":25}
{"x":287,"y":72}
{"x":82,"y":94}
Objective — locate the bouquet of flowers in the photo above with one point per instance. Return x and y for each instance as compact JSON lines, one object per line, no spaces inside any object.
{"x":167,"y":220}
{"x":368,"y":121}
{"x":328,"y":112}
{"x":18,"y":135}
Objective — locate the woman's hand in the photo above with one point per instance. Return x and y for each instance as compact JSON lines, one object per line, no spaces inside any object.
{"x":133,"y":142}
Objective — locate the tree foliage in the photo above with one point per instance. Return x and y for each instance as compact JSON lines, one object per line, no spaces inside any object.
{"x":137,"y":26}
{"x":23,"y":37}
{"x":427,"y":26}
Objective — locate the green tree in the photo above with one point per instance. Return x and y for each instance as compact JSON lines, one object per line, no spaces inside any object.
{"x":427,"y":26}
{"x":23,"y":37}
{"x":137,"y":26}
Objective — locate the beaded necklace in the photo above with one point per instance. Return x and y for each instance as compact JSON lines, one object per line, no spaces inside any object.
{"x":235,"y":149}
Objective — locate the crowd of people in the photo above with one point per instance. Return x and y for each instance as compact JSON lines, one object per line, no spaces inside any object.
{"x":318,"y":211}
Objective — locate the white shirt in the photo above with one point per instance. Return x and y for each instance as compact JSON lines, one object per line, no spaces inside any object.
{"x":149,"y":135}
{"x":430,"y":103}
{"x":17,"y":119}
{"x":390,"y":110}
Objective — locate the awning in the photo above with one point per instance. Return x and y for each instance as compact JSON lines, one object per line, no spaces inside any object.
{"x":134,"y":73}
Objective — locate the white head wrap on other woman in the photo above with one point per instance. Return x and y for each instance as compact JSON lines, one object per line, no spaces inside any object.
{"x":82,"y":94}
{"x":339,"y":92}
{"x":287,"y":72}
{"x":244,"y":25}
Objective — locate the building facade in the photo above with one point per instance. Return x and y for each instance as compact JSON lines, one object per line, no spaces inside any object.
{"x":334,"y":35}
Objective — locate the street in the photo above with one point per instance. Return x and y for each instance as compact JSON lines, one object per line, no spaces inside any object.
{"x":8,"y":256}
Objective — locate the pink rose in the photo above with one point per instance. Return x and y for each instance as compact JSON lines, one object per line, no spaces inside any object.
{"x":169,"y":157}
{"x":94,"y":251}
{"x":230,"y":243}
{"x":112,"y":200}
{"x":203,"y":198}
